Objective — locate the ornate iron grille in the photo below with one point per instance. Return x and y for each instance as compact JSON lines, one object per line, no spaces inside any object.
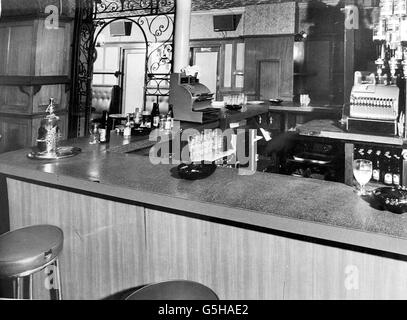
{"x":82,"y":67}
{"x":133,"y":8}
{"x":155,"y":19}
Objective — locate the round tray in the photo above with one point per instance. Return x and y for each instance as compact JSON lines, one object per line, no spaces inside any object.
{"x":62,"y":153}
{"x":393,"y":199}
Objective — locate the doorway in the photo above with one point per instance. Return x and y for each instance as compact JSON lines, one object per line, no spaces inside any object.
{"x":207,"y":59}
{"x":134,"y":74}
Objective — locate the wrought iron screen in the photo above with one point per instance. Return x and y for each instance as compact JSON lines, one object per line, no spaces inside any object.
{"x":154,"y":18}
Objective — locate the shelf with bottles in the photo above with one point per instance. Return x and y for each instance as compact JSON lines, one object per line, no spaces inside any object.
{"x":388,"y":164}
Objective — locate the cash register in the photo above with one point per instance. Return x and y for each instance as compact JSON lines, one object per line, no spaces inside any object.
{"x":192,"y":100}
{"x":374,"y":108}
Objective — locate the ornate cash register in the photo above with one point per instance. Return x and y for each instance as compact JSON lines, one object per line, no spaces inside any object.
{"x":192,"y":100}
{"x":374,"y":108}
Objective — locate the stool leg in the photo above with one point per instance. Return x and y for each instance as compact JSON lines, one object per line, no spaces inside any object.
{"x":15,"y":286}
{"x":20,"y":288}
{"x":30,"y":287}
{"x":56,"y":291}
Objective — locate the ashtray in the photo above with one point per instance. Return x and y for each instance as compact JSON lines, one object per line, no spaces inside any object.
{"x":195,"y":171}
{"x":393,"y":199}
{"x":234,"y":107}
{"x":140,"y":131}
{"x":61,"y":153}
{"x":276,"y":102}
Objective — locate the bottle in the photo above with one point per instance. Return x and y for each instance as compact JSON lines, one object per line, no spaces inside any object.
{"x":170,"y":117}
{"x":376,"y":166}
{"x":49,"y":132}
{"x":168,"y":123}
{"x":388,"y":174}
{"x":147,"y":119}
{"x":137,"y":118}
{"x":105,"y":128}
{"x":163,"y":121}
{"x":155,"y":115}
{"x":396,"y":170}
{"x":369,"y":155}
{"x":132,"y":123}
{"x":127,"y":129}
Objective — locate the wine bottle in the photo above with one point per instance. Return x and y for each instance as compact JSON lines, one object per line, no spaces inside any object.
{"x":105,"y":128}
{"x":155,"y":115}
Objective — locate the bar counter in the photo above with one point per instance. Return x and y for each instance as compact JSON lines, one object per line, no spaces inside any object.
{"x":284,"y":236}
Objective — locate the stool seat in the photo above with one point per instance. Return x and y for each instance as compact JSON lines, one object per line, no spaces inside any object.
{"x":174,"y":290}
{"x":25,"y":251}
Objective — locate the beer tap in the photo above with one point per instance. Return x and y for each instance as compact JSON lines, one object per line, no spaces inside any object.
{"x":380,"y":63}
{"x":404,"y":62}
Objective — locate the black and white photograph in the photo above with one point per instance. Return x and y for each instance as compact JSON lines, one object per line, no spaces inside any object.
{"x":203,"y":150}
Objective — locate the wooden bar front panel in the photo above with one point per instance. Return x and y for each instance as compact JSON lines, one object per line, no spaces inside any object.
{"x":110,"y":247}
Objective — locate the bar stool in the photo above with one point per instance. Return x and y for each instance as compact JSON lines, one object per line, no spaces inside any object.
{"x":27,"y":251}
{"x":174,"y":290}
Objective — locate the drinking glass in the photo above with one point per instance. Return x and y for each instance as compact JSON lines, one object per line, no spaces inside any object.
{"x":94,"y":133}
{"x":363,"y":171}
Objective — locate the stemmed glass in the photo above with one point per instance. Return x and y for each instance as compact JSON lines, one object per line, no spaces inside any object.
{"x":363,"y":171}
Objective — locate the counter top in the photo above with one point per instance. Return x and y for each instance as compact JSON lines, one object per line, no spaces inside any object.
{"x":295,"y":108}
{"x":318,"y":209}
{"x":331,"y":129}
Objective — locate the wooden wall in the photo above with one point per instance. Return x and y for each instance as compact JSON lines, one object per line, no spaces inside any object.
{"x":110,"y":247}
{"x":34,"y":66}
{"x":270,"y":60}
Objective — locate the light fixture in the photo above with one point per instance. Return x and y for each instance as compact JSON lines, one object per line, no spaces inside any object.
{"x":302,"y":36}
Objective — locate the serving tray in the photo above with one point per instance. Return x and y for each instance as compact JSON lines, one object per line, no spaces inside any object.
{"x":62,"y":153}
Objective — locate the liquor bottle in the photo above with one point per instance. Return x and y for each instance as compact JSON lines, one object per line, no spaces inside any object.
{"x":127,"y":129}
{"x":105,"y":128}
{"x":396,"y":170}
{"x":388,"y":174}
{"x":155,"y":115}
{"x":170,"y":115}
{"x":376,"y":166}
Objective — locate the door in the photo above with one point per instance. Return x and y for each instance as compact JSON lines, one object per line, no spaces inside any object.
{"x":134,"y":66}
{"x":268,"y":80}
{"x":207,"y":59}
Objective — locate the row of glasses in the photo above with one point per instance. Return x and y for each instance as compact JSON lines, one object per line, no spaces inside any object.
{"x":235,"y":100}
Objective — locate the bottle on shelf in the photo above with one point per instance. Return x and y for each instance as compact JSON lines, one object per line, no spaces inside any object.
{"x":396,"y":170}
{"x":377,"y":166}
{"x":370,"y":155}
{"x":105,"y":128}
{"x":387,"y":174}
{"x":155,"y":115}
